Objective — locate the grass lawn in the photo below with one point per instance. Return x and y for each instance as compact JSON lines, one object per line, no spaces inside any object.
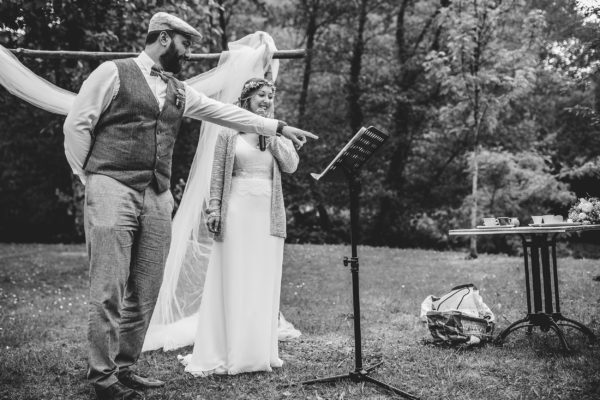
{"x":43,"y":302}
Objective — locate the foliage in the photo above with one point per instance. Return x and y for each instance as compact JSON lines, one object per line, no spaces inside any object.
{"x":515,"y":185}
{"x":519,"y":185}
{"x":480,"y":71}
{"x":513,"y":79}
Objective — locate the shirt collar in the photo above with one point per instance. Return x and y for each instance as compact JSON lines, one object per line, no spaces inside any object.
{"x":145,"y":61}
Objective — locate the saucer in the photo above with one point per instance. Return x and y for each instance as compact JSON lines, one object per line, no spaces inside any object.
{"x":555,"y":224}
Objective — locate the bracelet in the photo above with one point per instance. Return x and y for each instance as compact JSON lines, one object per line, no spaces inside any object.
{"x":211,"y":212}
{"x":212,"y":216}
{"x":280,"y":126}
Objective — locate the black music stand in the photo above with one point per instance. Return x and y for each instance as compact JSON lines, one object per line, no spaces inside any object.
{"x":347,"y":163}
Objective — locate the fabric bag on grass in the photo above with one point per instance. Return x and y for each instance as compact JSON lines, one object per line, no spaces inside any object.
{"x":458,"y":317}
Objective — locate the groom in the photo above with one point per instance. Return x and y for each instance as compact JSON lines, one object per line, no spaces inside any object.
{"x":119,"y":137}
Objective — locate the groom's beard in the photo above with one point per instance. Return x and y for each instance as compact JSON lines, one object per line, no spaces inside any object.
{"x":171,"y":60}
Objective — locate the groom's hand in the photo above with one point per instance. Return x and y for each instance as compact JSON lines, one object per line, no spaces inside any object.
{"x":298,"y":136}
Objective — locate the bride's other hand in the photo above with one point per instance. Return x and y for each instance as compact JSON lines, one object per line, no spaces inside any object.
{"x":213,"y":223}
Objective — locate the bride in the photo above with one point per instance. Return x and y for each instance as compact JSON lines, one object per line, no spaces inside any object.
{"x":175,"y":320}
{"x":178,"y":318}
{"x":237,"y":322}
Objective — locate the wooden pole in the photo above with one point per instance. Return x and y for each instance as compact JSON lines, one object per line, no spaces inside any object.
{"x":99,"y":55}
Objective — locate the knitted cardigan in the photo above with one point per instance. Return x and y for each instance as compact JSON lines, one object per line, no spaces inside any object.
{"x":286,"y":160}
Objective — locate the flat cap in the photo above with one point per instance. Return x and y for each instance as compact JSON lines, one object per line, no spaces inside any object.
{"x":161,"y":21}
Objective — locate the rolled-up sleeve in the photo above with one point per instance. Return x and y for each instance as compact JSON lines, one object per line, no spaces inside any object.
{"x":93,"y":98}
{"x":199,"y":106}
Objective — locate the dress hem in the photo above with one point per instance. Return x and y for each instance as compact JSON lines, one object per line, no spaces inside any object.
{"x":223,"y":371}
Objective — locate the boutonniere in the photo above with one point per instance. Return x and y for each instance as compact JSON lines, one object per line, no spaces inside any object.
{"x":180,"y":98}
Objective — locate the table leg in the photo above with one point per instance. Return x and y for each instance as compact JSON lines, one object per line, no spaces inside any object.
{"x":545,"y":252}
{"x":541,"y":251}
{"x":574,"y":324}
{"x":527,"y":283}
{"x":535,"y":276}
{"x":522,"y":323}
{"x":527,"y":288}
{"x":555,"y":270}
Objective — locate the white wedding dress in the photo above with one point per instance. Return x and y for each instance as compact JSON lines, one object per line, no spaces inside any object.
{"x":238,"y":320}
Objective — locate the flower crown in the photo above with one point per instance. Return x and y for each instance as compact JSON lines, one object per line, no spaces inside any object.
{"x":252,"y":85}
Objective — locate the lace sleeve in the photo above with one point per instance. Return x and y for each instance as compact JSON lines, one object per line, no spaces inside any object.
{"x":218,"y":168}
{"x":284,"y":152}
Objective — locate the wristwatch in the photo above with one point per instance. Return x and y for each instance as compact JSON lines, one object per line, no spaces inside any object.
{"x":280,"y":126}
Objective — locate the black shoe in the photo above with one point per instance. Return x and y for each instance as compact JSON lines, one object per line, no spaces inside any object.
{"x":129,"y":379}
{"x":118,"y":391}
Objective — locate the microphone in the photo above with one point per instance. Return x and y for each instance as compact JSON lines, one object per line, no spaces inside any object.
{"x":262,"y":142}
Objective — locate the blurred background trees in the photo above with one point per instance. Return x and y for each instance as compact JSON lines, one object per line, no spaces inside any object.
{"x":492,"y":107}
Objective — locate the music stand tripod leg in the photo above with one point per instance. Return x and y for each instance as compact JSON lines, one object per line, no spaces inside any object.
{"x":390,"y":388}
{"x":326,"y":380}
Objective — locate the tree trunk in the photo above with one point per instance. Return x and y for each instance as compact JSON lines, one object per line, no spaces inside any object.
{"x":355,"y":114}
{"x":398,"y":140}
{"x":473,"y":242}
{"x":311,"y":30}
{"x":402,"y":108}
{"x":223,"y":25}
{"x":596,"y":80}
{"x":478,"y":121}
{"x":400,"y":32}
{"x":218,"y":21}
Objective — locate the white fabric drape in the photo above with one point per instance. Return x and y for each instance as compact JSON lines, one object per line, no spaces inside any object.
{"x":25,"y":84}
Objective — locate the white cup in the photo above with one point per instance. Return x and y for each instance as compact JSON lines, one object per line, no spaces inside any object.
{"x":548,"y":219}
{"x":490,"y":221}
{"x":537,"y":219}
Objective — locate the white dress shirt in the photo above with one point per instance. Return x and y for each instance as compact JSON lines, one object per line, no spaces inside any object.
{"x":101,"y":87}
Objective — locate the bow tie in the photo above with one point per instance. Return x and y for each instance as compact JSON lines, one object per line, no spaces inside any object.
{"x":158,"y":71}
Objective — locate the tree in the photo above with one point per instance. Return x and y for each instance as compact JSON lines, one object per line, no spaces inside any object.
{"x":410,"y":96}
{"x":518,"y":185}
{"x":319,"y":16}
{"x":481,"y":70}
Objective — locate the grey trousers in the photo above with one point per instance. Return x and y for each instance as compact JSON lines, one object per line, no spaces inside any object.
{"x":128,"y":234}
